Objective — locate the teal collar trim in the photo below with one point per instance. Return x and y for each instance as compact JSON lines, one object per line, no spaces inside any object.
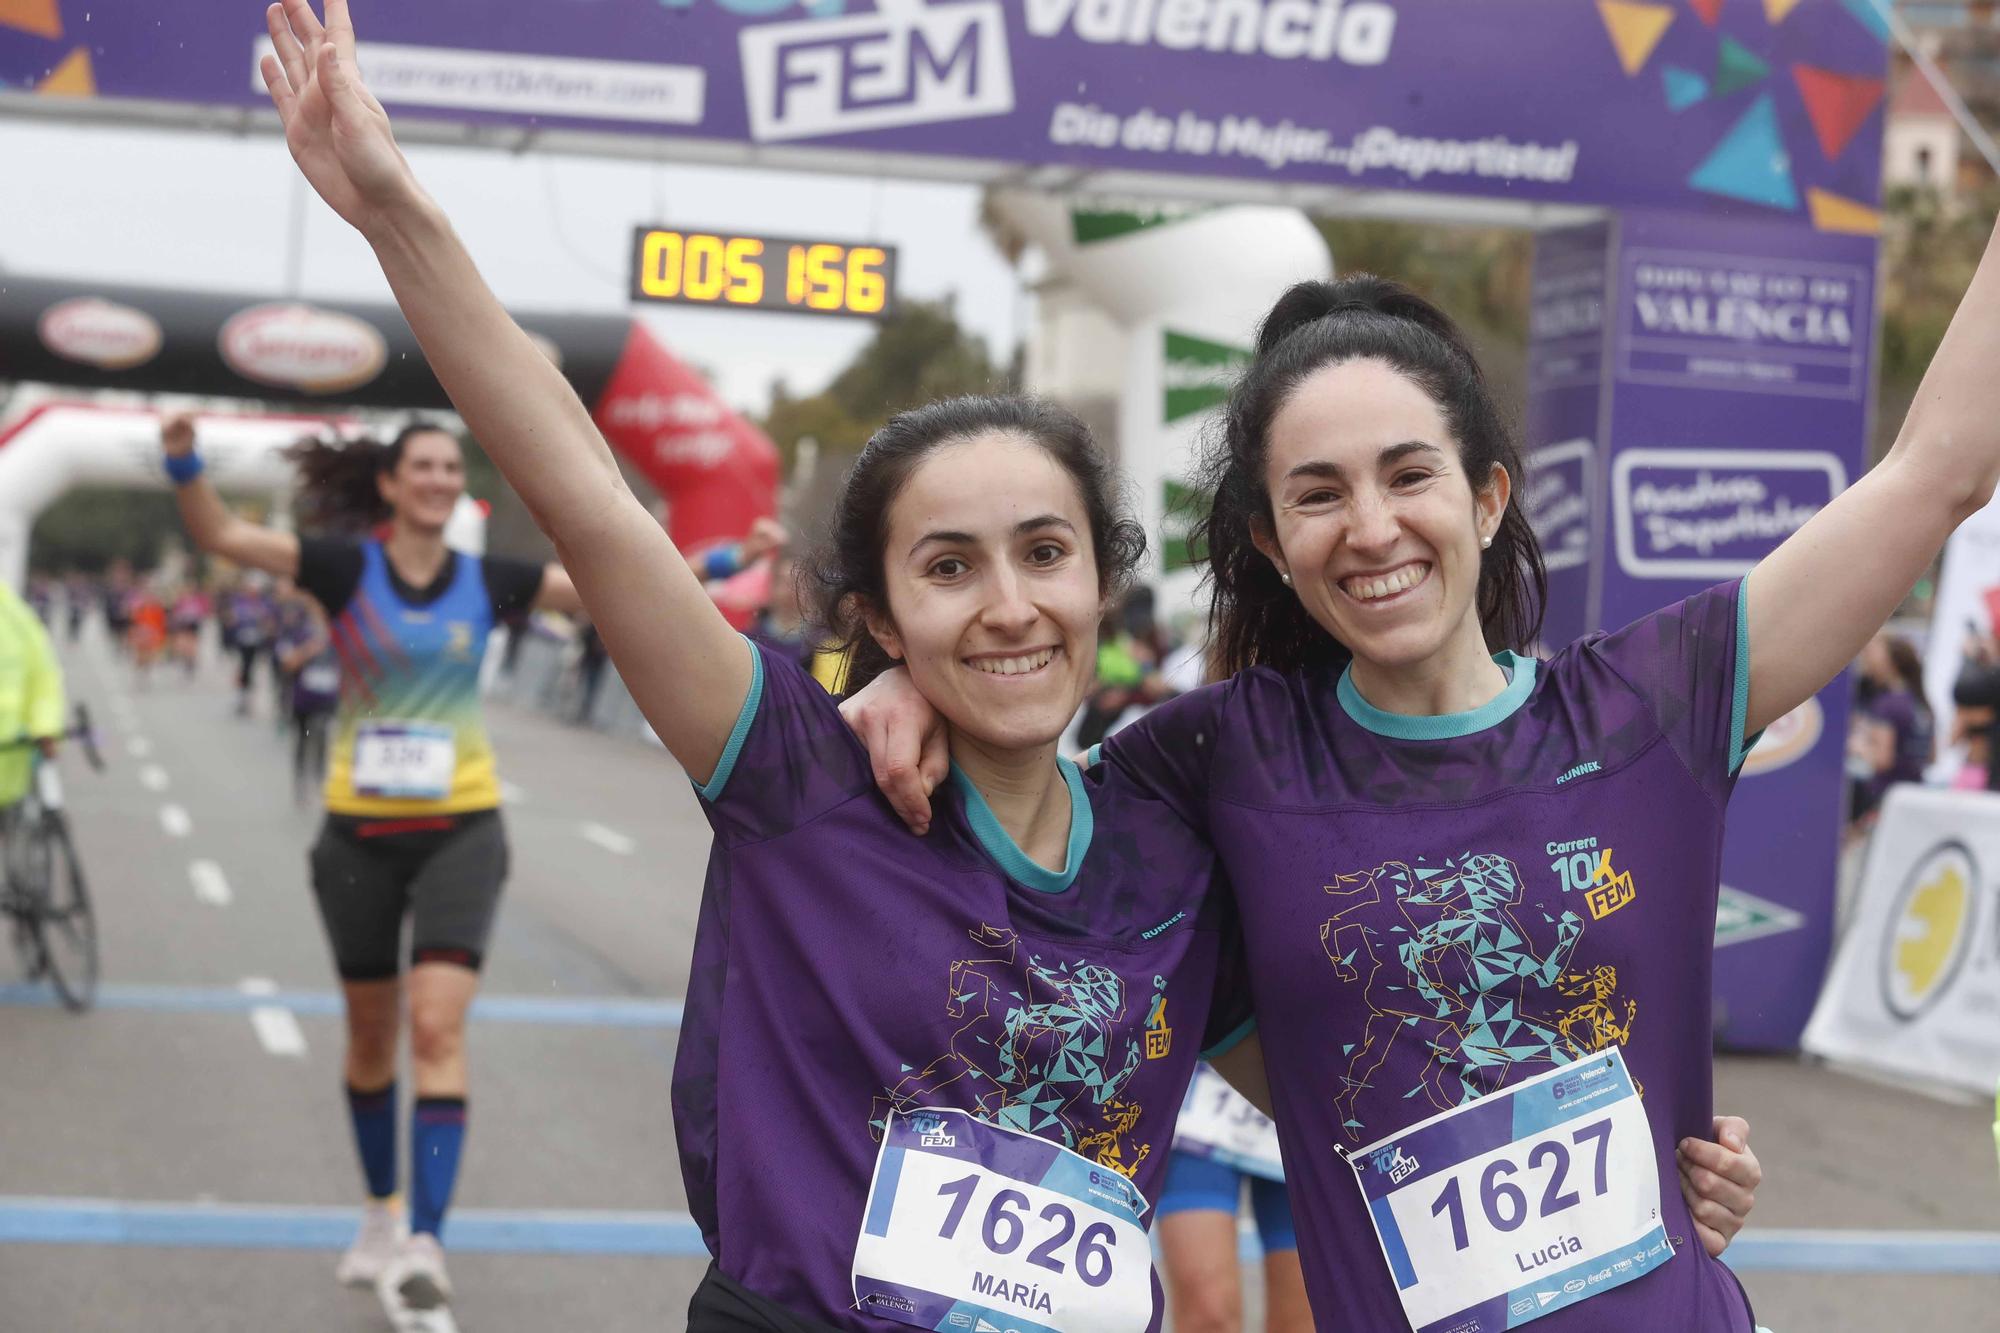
{"x":1443,"y":726}
{"x":1000,"y":845}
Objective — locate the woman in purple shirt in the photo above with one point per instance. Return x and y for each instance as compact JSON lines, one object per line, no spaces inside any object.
{"x":1477,"y":888}
{"x":926,"y":1084}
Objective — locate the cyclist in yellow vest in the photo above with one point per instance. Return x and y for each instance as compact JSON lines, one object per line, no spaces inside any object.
{"x":31,"y":692}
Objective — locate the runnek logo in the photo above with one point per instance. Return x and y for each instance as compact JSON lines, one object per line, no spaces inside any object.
{"x":909,"y":64}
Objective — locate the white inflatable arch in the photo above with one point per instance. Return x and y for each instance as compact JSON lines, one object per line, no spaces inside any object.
{"x":50,"y":445}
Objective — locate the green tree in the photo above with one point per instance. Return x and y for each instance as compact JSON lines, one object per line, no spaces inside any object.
{"x":918,"y":354}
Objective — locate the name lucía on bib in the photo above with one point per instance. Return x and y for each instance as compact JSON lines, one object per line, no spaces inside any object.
{"x":973,"y":1226}
{"x":1518,"y":1204}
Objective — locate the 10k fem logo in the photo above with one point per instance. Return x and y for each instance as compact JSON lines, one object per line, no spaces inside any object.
{"x":906,"y":65}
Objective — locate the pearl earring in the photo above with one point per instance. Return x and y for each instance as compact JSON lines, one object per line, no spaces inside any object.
{"x":1485,"y":543}
{"x":1286,"y":579}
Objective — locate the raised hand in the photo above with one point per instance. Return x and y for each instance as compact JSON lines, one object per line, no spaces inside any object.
{"x":338,"y":133}
{"x":177,"y":434}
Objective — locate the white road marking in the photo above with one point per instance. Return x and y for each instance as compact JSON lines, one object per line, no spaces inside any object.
{"x":175,"y":821}
{"x":511,"y":794}
{"x":153,"y":778}
{"x":276,"y":1028}
{"x":611,"y":840}
{"x":138,"y":747}
{"x":210,"y":885}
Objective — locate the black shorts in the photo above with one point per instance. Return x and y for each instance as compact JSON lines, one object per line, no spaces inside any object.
{"x":721,"y":1304}
{"x":445,"y":873}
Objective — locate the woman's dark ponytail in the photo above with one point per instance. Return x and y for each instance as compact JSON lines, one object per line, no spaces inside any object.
{"x":337,"y":487}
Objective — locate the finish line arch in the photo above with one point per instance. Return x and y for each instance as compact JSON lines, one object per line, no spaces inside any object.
{"x":1706,"y":178}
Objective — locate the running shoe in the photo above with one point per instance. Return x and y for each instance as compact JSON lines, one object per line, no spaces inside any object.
{"x":416,"y":1273}
{"x":380,"y":1238}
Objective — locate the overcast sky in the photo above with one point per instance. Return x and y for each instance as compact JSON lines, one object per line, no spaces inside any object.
{"x":552,"y":233}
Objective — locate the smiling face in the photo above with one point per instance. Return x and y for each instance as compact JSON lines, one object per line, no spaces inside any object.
{"x":1375,"y":519}
{"x":426,"y":482}
{"x":993,"y":592}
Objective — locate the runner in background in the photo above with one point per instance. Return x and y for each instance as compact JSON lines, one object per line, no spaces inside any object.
{"x":184,"y":621}
{"x":1225,"y":1148}
{"x":413,"y":824}
{"x":310,"y":670}
{"x":148,"y":633}
{"x":249,"y":626}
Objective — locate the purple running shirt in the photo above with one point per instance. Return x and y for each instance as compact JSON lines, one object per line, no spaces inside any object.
{"x":1436,"y":907}
{"x":844,"y":967}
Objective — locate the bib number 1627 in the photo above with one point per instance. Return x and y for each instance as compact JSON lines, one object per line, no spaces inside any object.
{"x":1503,"y":1200}
{"x":1008,"y":1221}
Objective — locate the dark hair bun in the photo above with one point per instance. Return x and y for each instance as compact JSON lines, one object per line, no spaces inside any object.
{"x":1363,"y":294}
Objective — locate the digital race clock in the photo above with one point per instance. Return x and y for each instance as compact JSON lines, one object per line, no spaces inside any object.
{"x":721,"y":268}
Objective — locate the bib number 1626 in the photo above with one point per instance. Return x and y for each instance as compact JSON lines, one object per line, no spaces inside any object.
{"x":1008,"y":1221}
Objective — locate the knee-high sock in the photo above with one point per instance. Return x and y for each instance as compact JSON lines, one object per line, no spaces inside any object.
{"x":437,"y":1133}
{"x":374,"y":1115}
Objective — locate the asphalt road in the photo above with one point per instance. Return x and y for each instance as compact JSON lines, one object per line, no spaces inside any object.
{"x":178,"y":1160}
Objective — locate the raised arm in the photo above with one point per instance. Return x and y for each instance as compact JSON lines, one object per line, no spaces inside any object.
{"x":1815,"y":601}
{"x":688,"y":671}
{"x":210,"y":525}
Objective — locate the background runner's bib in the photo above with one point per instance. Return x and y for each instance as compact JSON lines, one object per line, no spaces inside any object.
{"x":1218,"y":1123}
{"x":1523,"y":1202}
{"x":321,"y":677}
{"x":409,"y":737}
{"x":970,"y":1225}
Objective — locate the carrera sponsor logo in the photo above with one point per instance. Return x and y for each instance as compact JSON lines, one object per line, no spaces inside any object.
{"x":883,"y":1299}
{"x":1395,"y":1164}
{"x":100,"y":333}
{"x":1930,"y":929}
{"x":1788,"y":740}
{"x":302,"y":347}
{"x":910,"y":64}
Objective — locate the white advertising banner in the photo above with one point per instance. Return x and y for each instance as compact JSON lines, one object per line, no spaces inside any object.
{"x":1915,"y":986}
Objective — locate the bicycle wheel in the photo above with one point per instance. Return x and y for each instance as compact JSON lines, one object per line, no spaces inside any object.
{"x":68,"y":928}
{"x":21,"y":878}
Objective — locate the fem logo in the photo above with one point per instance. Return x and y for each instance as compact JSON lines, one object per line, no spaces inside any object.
{"x":907,"y":65}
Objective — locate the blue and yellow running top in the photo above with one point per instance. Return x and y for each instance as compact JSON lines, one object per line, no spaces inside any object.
{"x":410,"y":737}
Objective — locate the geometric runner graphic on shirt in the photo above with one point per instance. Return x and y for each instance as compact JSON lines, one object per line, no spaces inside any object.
{"x":1038,"y":1050}
{"x":1466,"y":977}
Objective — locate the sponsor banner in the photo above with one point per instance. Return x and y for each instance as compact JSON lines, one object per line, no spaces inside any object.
{"x":1705,"y":475}
{"x":1915,"y":989}
{"x":716,"y":470}
{"x":1714,"y":513}
{"x":100,"y":333}
{"x":1769,"y":109}
{"x":1196,"y":374}
{"x":302,"y":347}
{"x":1696,"y":320}
{"x":1562,"y":494}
